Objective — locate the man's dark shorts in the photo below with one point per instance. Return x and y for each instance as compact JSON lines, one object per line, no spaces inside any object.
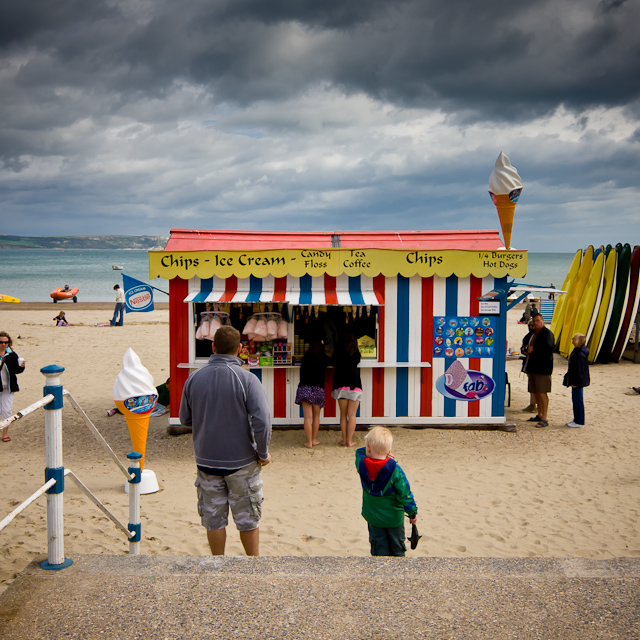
{"x":387,"y":542}
{"x":242,"y":491}
{"x":539,"y":383}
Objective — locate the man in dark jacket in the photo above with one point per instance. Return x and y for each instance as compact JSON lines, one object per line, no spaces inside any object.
{"x":228,"y":410}
{"x":539,"y":367}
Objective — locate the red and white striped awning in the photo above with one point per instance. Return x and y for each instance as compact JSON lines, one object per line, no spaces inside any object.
{"x":234,"y":289}
{"x":324,"y":290}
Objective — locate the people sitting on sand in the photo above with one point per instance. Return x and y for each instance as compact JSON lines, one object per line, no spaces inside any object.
{"x":61,"y":321}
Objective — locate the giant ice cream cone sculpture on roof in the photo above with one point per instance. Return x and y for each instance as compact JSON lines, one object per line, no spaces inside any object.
{"x":135,"y":395}
{"x":505,"y":187}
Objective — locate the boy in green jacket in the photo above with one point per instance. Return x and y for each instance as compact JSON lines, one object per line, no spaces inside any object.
{"x":386,"y":494}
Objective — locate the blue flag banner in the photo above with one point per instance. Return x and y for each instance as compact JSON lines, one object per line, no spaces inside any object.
{"x":138,"y":296}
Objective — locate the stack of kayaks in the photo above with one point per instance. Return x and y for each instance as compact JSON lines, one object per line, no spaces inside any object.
{"x":601,"y":302}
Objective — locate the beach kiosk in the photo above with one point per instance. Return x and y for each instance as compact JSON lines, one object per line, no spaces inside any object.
{"x":428,"y":309}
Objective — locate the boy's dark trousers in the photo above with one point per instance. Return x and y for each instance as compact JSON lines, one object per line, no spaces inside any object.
{"x":387,"y":542}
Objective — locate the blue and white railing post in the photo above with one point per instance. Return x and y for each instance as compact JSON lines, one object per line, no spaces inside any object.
{"x":134,"y":503}
{"x":54,"y":469}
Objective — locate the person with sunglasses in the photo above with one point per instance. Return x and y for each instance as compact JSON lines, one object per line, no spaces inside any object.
{"x":10,"y":366}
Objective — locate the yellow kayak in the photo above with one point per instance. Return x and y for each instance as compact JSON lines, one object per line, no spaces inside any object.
{"x":589,"y":304}
{"x":573,"y":300}
{"x":4,"y":298}
{"x":558,"y":313}
{"x":606,"y":304}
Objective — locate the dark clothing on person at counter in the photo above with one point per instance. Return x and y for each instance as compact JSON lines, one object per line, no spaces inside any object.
{"x":313,"y":369}
{"x":346,"y":372}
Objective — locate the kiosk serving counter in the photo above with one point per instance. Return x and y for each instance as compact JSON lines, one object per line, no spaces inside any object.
{"x":432,"y":352}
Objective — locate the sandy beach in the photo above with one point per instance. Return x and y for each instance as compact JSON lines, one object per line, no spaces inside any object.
{"x":554,"y":492}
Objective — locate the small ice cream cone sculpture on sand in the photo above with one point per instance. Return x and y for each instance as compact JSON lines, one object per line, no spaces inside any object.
{"x":505,"y":187}
{"x":135,"y":396}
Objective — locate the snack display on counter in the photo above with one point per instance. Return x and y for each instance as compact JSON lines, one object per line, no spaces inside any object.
{"x":505,"y":187}
{"x":265,"y":354}
{"x":135,"y":395}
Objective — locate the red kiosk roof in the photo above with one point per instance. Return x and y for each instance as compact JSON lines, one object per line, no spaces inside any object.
{"x":225,"y":240}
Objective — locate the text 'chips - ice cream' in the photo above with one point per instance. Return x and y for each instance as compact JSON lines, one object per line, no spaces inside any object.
{"x":135,"y":396}
{"x":505,"y":187}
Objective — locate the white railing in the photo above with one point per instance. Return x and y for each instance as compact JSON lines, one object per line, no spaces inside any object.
{"x":55,"y":473}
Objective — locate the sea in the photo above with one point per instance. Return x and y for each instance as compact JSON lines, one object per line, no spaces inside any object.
{"x":31,"y":274}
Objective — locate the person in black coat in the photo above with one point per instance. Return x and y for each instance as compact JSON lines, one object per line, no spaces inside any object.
{"x":539,"y":366}
{"x":10,"y":366}
{"x":577,"y":377}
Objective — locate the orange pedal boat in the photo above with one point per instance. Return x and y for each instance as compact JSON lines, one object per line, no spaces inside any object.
{"x":64,"y":293}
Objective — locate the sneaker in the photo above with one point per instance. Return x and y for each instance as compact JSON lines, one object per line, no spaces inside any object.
{"x":112,"y":412}
{"x":575,"y":425}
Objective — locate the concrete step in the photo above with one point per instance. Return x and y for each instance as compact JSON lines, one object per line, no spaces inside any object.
{"x":176,"y":597}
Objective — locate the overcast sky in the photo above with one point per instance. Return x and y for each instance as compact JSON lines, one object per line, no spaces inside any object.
{"x":138,"y":116}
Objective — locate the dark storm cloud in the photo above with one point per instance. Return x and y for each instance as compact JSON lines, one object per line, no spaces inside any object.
{"x":496,"y":59}
{"x":141,"y":115}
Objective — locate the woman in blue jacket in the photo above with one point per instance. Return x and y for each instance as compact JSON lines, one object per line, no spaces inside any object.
{"x":577,"y":377}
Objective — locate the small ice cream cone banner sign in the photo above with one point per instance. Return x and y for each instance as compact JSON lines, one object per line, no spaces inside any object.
{"x":134,"y":393}
{"x":505,"y":187}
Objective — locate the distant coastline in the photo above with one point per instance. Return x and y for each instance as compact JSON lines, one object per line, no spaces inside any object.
{"x":99,"y":242}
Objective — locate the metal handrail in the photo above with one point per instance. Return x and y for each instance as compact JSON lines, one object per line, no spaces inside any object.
{"x":25,"y":412}
{"x":87,"y":492}
{"x":97,"y":434}
{"x":32,"y":498}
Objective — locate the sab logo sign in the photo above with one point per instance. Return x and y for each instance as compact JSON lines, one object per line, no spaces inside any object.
{"x":470,"y":385}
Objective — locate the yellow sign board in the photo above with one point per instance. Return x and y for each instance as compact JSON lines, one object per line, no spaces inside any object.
{"x":334,"y":262}
{"x":367,"y":347}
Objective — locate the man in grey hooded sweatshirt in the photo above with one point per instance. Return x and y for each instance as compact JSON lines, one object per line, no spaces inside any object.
{"x":228,"y":411}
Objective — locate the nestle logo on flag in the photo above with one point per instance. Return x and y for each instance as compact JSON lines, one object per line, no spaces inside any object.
{"x":139,"y":298}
